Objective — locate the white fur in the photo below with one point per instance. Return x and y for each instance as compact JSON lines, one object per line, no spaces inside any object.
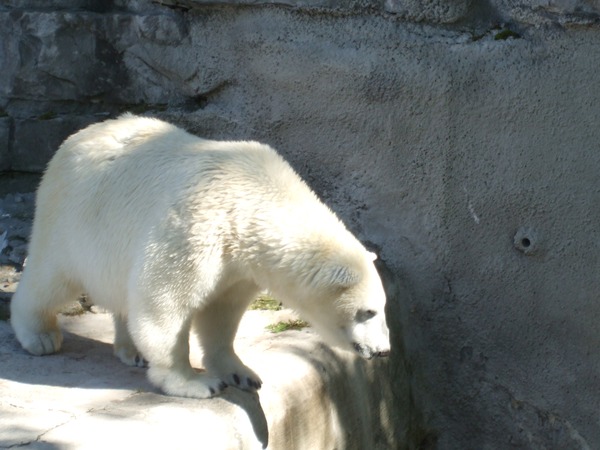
{"x":173,"y":232}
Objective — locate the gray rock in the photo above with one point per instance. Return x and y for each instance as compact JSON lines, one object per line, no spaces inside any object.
{"x":16,"y":213}
{"x":335,"y":5}
{"x":553,"y":12}
{"x":45,"y":136}
{"x":435,"y":11}
{"x":5,"y":157}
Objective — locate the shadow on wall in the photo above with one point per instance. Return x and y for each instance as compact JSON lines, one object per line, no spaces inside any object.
{"x":411,"y":428}
{"x":360,"y":399}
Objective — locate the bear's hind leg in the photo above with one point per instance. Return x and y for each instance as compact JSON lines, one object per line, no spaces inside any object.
{"x":34,"y":307}
{"x":124,"y":347}
{"x":216,"y":325}
{"x":161,"y":332}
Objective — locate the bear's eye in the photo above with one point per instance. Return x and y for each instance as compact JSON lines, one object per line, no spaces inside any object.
{"x":362,"y":315}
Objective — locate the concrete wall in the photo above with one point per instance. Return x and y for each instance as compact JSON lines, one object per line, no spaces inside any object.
{"x":459,"y":138}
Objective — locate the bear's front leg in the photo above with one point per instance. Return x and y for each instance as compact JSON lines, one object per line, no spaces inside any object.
{"x":216,"y":325}
{"x":124,"y":347}
{"x":161,"y":332}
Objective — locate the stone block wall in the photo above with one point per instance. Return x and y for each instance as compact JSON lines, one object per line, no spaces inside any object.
{"x":457,"y":138}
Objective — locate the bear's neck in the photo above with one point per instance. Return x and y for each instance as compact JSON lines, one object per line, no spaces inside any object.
{"x":282,"y":252}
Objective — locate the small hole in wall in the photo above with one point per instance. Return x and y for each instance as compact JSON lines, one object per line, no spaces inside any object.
{"x":527,"y":241}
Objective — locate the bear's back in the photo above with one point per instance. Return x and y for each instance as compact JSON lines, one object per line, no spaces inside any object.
{"x":135,"y":168}
{"x":127,"y":153}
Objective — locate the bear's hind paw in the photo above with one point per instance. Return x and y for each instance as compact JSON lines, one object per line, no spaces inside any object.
{"x":42,"y":343}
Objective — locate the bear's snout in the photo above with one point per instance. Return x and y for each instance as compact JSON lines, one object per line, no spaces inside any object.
{"x":367,"y":352}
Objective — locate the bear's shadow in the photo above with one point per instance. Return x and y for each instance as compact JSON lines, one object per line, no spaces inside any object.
{"x":90,"y":364}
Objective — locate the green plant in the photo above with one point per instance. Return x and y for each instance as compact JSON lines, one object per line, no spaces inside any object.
{"x":505,"y":34}
{"x":265,"y":302}
{"x":295,"y":324}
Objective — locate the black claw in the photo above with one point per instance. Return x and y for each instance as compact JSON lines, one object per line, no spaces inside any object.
{"x":137,"y":359}
{"x":212,"y":391}
{"x":253,"y":384}
{"x":236,"y":378}
{"x":223,"y":385}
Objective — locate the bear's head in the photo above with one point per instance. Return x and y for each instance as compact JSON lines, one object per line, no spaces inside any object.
{"x":344,"y":300}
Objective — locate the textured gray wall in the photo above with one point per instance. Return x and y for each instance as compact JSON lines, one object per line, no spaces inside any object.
{"x":467,"y":155}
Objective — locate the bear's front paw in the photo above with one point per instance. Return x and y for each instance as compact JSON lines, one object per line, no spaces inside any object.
{"x":194,"y":385}
{"x":245,"y":381}
{"x":233,"y":371}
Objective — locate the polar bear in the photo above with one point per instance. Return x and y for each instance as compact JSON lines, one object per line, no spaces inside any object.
{"x":173,"y":233}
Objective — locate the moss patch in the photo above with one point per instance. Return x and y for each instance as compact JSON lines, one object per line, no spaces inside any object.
{"x":505,"y":34}
{"x":278,"y":327}
{"x":265,"y":302}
